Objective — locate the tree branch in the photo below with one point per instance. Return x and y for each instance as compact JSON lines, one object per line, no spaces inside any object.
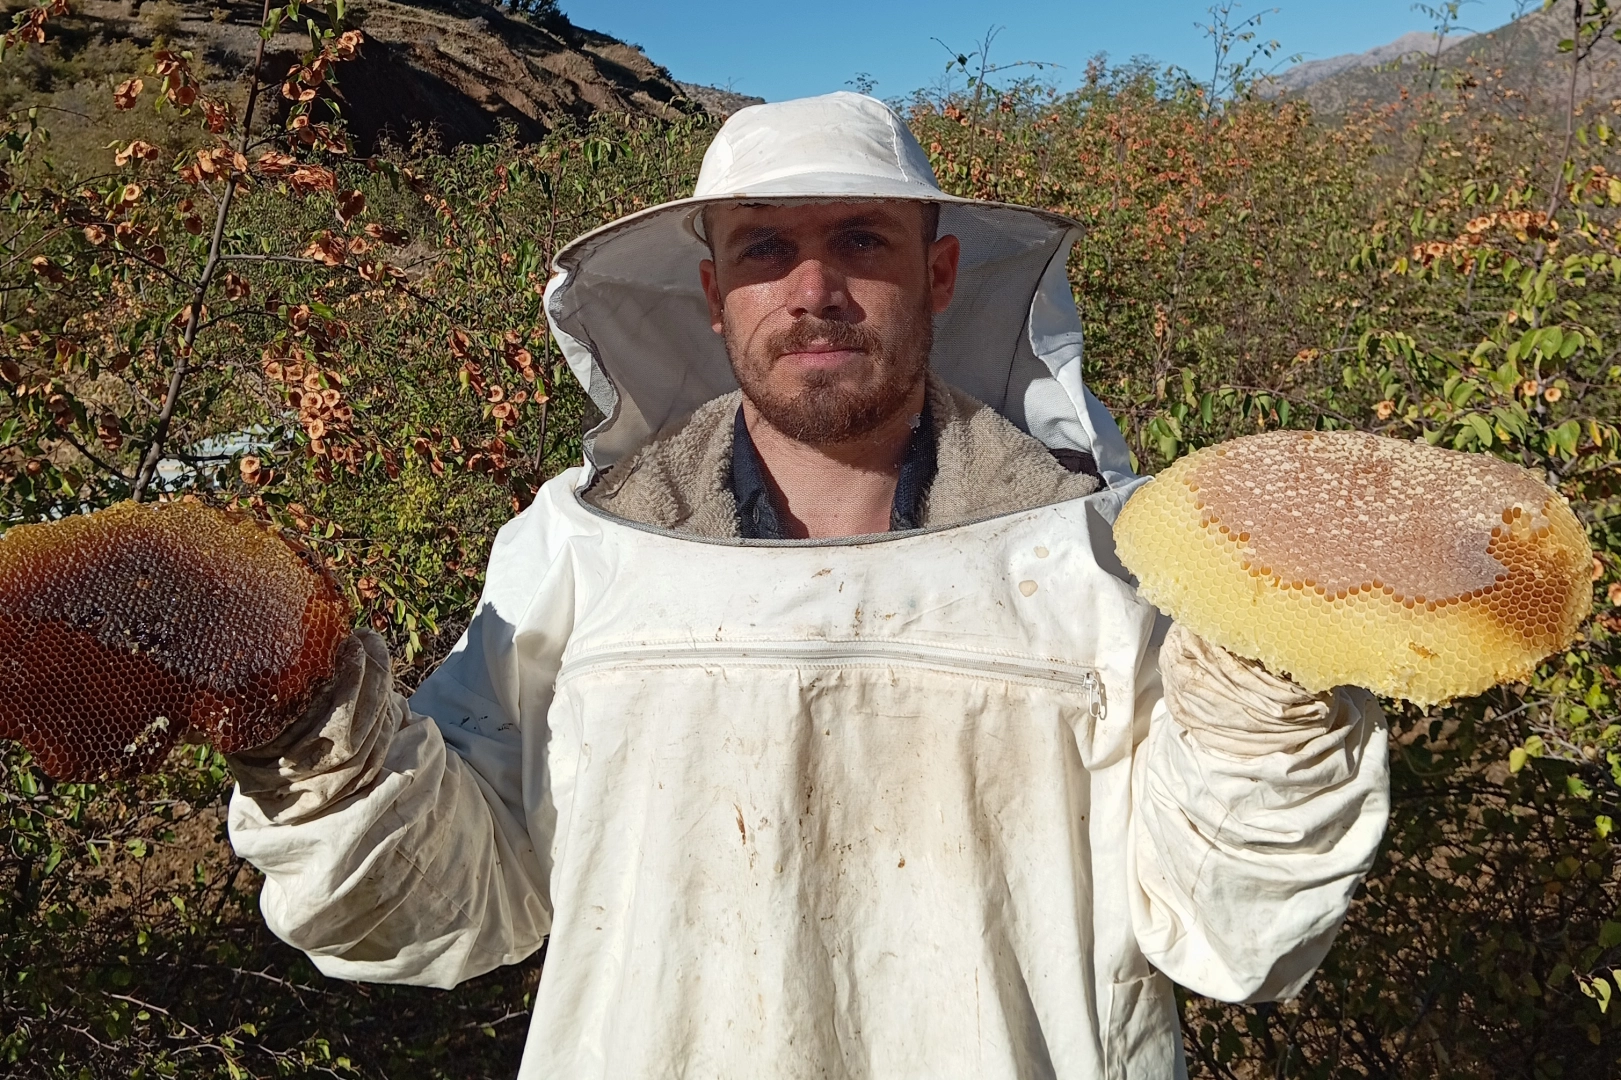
{"x":85,"y":450}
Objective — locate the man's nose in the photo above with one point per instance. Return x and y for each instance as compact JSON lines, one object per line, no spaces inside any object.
{"x":815,"y":288}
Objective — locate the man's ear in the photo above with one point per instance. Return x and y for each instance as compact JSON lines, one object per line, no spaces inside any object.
{"x":942,"y":262}
{"x":706,"y":274}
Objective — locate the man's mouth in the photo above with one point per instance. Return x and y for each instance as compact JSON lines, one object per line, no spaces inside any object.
{"x":820,"y":356}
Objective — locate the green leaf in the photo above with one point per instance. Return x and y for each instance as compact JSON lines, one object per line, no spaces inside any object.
{"x":1566,"y":436}
{"x":1609,"y":935}
{"x":1599,"y":990}
{"x":1517,"y":758}
{"x":1477,"y":424}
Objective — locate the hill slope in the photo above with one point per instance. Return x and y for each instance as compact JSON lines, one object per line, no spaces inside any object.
{"x":460,"y":68}
{"x":1416,"y":44}
{"x":1525,"y":50}
{"x":464,"y":67}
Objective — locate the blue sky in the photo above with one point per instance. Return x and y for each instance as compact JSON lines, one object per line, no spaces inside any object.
{"x":778,"y":50}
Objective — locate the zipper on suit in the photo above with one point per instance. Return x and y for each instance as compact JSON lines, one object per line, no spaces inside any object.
{"x":823,"y":653}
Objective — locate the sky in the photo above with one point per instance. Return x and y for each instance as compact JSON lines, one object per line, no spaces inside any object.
{"x":778,"y":50}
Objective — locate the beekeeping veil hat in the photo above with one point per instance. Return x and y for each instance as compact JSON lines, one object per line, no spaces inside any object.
{"x":627,"y":309}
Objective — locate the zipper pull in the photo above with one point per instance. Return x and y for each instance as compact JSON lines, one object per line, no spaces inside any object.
{"x":1094,"y":688}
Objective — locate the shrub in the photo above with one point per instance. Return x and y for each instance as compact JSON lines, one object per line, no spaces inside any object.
{"x":161,"y":19}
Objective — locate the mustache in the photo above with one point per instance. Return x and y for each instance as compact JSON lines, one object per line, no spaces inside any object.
{"x":811,"y":331}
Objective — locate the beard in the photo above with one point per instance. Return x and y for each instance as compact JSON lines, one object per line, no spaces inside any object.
{"x":834,"y":406}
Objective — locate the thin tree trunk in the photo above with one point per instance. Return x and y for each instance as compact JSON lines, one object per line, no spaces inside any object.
{"x":1558,"y":186}
{"x":194,"y":313}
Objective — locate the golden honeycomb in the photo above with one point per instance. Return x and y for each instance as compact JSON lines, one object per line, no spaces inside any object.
{"x":121,"y":630}
{"x":1342,"y":558}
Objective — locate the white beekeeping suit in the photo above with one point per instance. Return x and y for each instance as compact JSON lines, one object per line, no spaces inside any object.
{"x":916,"y":804}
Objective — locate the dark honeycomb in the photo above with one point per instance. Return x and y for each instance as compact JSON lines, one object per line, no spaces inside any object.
{"x":122,"y":630}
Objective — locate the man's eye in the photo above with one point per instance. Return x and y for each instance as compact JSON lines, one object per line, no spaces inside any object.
{"x":861,"y":241}
{"x":769,"y":250}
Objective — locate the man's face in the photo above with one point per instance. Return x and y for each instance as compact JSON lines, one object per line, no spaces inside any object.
{"x":827,"y":309}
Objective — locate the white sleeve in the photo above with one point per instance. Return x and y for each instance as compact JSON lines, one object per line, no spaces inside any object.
{"x":395,"y":836}
{"x":1258,"y":807}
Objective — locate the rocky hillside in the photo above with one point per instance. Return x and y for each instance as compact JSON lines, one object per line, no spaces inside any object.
{"x":458,"y":68}
{"x":464,"y":67}
{"x":1525,"y":51}
{"x":1415,"y":45}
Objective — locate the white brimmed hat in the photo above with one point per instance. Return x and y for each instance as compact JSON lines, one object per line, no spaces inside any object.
{"x":627,"y":309}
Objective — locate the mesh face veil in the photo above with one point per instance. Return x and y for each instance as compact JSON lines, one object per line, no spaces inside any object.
{"x":628,"y":312}
{"x":1345,"y":558}
{"x":121,"y":630}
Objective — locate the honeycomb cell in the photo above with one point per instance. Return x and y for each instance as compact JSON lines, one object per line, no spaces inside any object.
{"x":1346,"y":558}
{"x":122,"y":630}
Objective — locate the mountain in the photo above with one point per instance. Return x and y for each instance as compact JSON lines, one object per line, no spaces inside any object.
{"x":1417,"y":44}
{"x":1524,"y":53}
{"x":458,"y":68}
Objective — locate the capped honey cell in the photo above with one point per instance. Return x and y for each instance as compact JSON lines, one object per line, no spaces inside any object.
{"x":1343,"y":558}
{"x":123,"y":629}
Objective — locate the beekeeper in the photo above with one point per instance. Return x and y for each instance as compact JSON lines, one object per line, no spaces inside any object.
{"x":815,"y":723}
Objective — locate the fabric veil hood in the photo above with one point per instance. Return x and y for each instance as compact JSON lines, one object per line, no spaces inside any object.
{"x":628,"y":312}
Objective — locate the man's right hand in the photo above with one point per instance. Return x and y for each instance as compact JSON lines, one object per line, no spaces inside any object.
{"x":121,"y":630}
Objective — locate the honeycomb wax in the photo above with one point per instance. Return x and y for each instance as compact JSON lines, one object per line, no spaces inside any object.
{"x":1342,"y":558}
{"x":121,"y":630}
